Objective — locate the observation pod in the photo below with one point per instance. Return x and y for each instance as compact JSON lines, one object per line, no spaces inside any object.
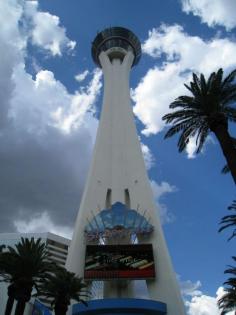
{"x":118,"y":238}
{"x":116,"y":42}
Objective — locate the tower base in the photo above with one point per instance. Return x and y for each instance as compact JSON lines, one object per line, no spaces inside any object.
{"x":120,"y":306}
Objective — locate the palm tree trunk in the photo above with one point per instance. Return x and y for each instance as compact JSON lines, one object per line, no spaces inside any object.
{"x":60,"y":309}
{"x":20,"y":307}
{"x":227,"y":146}
{"x":9,"y":306}
{"x":11,"y":299}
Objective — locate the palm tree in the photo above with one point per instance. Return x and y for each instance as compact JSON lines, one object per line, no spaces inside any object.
{"x":7,"y":266}
{"x":229,"y":220}
{"x":209,"y":108}
{"x":226,"y":169}
{"x":23,"y":267}
{"x":228,"y":301}
{"x":61,"y":287}
{"x":10,"y":300}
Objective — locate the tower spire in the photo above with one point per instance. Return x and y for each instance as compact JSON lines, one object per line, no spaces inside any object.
{"x":118,"y":182}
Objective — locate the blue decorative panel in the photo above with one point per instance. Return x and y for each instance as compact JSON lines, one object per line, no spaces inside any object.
{"x":116,"y":221}
{"x":40,"y":309}
{"x":120,"y":306}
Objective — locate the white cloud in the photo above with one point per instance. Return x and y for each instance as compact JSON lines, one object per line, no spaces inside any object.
{"x":191,"y":146}
{"x":162,"y":84}
{"x":47,"y":33}
{"x":198,"y":303}
{"x":45,"y":101}
{"x":43,"y":127}
{"x":217,"y":12}
{"x":42,"y":223}
{"x":158,"y":191}
{"x":13,"y":44}
{"x":194,"y":53}
{"x":82,"y":102}
{"x":151,"y":97}
{"x":202,"y":304}
{"x":10,"y":14}
{"x":81,"y":76}
{"x":189,"y":288}
{"x":30,"y":96}
{"x":149,"y":159}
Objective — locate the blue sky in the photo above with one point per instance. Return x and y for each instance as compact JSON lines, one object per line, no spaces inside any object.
{"x":51,"y":96}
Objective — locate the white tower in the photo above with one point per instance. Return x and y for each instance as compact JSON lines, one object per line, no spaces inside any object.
{"x":117,"y":172}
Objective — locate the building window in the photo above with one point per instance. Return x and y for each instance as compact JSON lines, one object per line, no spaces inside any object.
{"x":56,"y":244}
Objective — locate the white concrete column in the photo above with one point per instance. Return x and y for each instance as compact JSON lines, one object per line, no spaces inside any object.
{"x":117,"y":165}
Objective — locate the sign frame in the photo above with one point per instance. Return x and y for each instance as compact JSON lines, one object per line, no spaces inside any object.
{"x":123,"y":261}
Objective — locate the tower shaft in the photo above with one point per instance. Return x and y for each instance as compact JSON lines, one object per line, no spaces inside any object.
{"x":117,"y":173}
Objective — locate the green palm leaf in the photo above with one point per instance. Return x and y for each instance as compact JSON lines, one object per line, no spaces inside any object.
{"x":229,"y":220}
{"x":61,"y":287}
{"x":228,"y":301}
{"x":208,"y":108}
{"x":23,"y":266}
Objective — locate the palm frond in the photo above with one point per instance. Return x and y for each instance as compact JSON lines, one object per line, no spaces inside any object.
{"x":229,"y":79}
{"x":182,"y":114}
{"x":229,"y":221}
{"x":203,"y":84}
{"x":228,"y":301}
{"x":185,"y":137}
{"x":24,"y":265}
{"x":183,"y":124}
{"x":202,"y":134}
{"x":183,"y":101}
{"x":210,"y":80}
{"x":218,"y":79}
{"x":63,"y":286}
{"x":188,"y":87}
{"x":195,"y":85}
{"x":228,"y":99}
{"x":225,"y":169}
{"x":209,"y":100}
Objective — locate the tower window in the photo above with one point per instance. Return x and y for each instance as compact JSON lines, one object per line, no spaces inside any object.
{"x":127,"y":198}
{"x":108,"y":199}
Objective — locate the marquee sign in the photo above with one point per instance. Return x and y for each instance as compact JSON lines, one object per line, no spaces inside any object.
{"x":117,"y":222}
{"x":106,"y":262}
{"x":116,"y":233}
